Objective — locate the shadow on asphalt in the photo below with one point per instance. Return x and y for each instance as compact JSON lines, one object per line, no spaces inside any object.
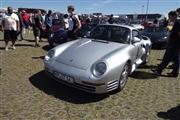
{"x":29,"y":45}
{"x":171,"y":114}
{"x":47,"y":47}
{"x":31,"y":40}
{"x":142,"y":75}
{"x":39,"y":57}
{"x":2,"y":48}
{"x":62,"y":92}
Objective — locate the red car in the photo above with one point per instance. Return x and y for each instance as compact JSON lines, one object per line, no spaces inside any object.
{"x":57,"y":24}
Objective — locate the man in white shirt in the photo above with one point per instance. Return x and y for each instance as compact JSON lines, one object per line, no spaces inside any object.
{"x":74,"y":23}
{"x":10,"y":26}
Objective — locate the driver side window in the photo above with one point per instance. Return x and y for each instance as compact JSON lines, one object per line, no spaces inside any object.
{"x":135,"y":33}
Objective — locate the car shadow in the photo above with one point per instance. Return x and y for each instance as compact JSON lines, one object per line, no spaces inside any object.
{"x":51,"y":87}
{"x":147,"y":66}
{"x":171,"y":114}
{"x":158,"y":48}
{"x":47,"y":47}
{"x":143,"y":75}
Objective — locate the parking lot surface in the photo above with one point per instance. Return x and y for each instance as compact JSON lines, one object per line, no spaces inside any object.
{"x":26,"y":93}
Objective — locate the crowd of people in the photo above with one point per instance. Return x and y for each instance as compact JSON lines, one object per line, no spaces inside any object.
{"x":14,"y":25}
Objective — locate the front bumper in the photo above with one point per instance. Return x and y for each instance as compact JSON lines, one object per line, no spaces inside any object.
{"x":81,"y":82}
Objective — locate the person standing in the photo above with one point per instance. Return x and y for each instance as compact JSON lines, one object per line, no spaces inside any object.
{"x":178,"y":13}
{"x":173,"y":49}
{"x":48,"y":23}
{"x":10,"y":26}
{"x":111,"y":20}
{"x":37,"y":26}
{"x":21,"y":23}
{"x":66,"y":23}
{"x":26,"y":19}
{"x":74,"y":23}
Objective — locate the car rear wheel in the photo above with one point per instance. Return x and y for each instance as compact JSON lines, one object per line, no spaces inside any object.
{"x":123,"y":77}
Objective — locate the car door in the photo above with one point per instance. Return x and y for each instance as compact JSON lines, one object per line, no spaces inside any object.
{"x":138,"y":45}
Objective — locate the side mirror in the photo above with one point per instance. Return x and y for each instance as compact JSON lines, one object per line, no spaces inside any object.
{"x":135,"y":40}
{"x":145,"y":38}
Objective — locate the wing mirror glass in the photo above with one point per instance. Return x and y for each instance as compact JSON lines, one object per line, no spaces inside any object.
{"x":136,"y":39}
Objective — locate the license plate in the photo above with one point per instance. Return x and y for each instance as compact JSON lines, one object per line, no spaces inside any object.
{"x":63,"y":77}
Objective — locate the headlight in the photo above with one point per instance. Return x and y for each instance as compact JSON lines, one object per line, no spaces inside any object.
{"x":99,"y":69}
{"x":165,"y":37}
{"x":50,"y":54}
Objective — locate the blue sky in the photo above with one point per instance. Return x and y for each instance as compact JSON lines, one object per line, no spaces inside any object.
{"x":104,"y":6}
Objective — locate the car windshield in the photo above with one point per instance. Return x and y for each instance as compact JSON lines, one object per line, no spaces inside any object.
{"x":111,"y":33}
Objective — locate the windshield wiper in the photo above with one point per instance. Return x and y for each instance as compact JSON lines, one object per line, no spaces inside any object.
{"x":98,"y":40}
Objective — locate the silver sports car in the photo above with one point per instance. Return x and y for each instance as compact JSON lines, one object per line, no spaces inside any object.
{"x":101,"y":62}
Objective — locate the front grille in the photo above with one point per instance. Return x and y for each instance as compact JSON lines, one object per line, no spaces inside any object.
{"x":112,"y":85}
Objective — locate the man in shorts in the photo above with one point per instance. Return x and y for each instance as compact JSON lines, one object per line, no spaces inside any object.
{"x":10,"y":26}
{"x":37,"y":26}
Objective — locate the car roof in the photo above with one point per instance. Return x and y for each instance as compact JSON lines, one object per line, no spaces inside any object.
{"x":120,"y":25}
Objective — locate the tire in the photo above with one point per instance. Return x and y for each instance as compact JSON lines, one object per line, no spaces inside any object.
{"x":123,"y":77}
{"x":146,"y":56}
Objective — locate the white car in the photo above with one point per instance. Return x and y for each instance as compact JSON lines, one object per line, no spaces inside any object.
{"x":101,"y":62}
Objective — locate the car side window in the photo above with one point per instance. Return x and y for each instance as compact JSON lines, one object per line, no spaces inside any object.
{"x":120,"y":34}
{"x":135,"y":33}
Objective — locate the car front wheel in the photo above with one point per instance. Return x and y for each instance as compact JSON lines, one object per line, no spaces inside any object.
{"x":123,"y":77}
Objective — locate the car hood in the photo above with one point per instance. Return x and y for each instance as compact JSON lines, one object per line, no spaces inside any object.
{"x":86,"y":52}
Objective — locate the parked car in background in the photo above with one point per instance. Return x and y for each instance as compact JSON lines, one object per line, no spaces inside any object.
{"x":101,"y":62}
{"x":157,"y":35}
{"x":58,"y":37}
{"x":57,"y":24}
{"x":138,"y":26}
{"x":61,"y":36}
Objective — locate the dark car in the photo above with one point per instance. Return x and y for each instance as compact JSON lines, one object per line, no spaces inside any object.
{"x":158,"y":36}
{"x":61,"y":36}
{"x":58,"y":37}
